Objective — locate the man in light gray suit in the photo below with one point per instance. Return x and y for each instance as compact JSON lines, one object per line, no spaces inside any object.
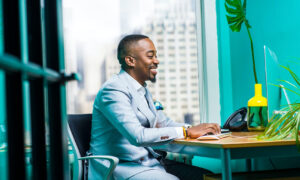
{"x":126,"y":124}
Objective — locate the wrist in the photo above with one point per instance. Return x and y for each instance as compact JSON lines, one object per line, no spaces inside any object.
{"x":184,"y":132}
{"x":187,"y":132}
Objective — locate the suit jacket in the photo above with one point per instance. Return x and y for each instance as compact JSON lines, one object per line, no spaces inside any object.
{"x":123,"y":125}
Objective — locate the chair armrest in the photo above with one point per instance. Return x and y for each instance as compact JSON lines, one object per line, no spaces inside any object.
{"x":113,"y":162}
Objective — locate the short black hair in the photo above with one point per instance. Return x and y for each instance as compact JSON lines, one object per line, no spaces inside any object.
{"x":124,"y":47}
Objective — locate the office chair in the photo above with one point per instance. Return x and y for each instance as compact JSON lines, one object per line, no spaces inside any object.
{"x":79,"y":130}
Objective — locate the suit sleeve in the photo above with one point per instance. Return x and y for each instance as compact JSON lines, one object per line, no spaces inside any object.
{"x":166,"y":121}
{"x":116,"y":106}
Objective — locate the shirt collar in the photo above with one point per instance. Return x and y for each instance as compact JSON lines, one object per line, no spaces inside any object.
{"x":134,"y":82}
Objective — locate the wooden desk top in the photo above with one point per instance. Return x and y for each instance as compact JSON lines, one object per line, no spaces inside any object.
{"x":236,"y":140}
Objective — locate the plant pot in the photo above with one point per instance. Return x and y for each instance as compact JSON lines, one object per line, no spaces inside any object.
{"x":257,"y":114}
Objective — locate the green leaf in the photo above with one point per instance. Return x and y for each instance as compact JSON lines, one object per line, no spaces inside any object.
{"x":235,"y":10}
{"x":236,"y":27}
{"x":232,"y":10}
{"x":285,"y":125}
{"x":232,"y":20}
{"x":286,"y":88}
{"x":233,"y":3}
{"x":288,"y":83}
{"x":295,"y":77}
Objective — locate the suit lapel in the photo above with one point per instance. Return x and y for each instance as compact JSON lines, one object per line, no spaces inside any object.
{"x":152,"y":107}
{"x":140,"y":102}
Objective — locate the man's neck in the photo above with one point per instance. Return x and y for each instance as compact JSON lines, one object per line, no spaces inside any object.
{"x":134,"y":76}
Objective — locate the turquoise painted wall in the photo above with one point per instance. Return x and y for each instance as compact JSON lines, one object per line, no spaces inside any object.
{"x":275,"y":23}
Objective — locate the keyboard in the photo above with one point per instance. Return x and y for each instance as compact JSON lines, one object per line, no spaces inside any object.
{"x":214,"y":137}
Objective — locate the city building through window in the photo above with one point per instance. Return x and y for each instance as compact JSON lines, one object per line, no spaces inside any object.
{"x":91,"y":39}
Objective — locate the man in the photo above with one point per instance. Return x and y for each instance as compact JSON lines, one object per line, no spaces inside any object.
{"x":125,"y":122}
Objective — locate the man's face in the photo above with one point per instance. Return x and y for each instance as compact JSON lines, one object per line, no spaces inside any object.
{"x":146,"y":63}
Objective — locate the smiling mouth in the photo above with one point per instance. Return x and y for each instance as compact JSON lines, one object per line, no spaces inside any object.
{"x":153,"y":70}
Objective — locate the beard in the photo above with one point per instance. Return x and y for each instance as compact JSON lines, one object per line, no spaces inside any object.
{"x":153,"y":80}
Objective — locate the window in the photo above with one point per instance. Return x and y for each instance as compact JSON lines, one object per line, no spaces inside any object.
{"x":33,"y":142}
{"x":172,"y":70}
{"x":160,"y":40}
{"x":161,"y":78}
{"x":91,"y":47}
{"x":173,"y":85}
{"x":160,"y":48}
{"x":183,"y":92}
{"x":173,"y":92}
{"x":194,"y":69}
{"x":182,"y":70}
{"x":171,"y":54}
{"x":193,"y":54}
{"x":162,"y":92}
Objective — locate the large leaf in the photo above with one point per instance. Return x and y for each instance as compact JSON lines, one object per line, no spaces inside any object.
{"x":236,"y":14}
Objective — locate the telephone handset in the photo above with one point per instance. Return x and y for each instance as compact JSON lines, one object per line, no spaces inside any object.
{"x":237,"y":121}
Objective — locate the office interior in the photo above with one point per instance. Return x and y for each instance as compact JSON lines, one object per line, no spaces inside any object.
{"x":56,"y":54}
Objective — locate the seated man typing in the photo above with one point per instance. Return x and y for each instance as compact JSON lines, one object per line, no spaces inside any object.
{"x":126,"y":124}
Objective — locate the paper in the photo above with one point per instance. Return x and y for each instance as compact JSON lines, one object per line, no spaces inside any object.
{"x":214,"y":137}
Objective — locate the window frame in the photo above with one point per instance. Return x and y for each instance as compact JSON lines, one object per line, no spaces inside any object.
{"x":209,"y":89}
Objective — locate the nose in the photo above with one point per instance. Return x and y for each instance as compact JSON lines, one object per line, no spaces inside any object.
{"x":156,"y":61}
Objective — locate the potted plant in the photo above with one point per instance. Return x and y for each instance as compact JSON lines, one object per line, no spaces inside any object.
{"x":257,"y":112}
{"x":285,"y":124}
{"x":236,"y":16}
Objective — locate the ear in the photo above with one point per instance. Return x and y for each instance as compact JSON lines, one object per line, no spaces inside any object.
{"x":130,"y":61}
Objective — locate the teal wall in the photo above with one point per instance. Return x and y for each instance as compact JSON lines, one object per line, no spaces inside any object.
{"x":275,"y":23}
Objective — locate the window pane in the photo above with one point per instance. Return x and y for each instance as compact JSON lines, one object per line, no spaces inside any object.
{"x":93,"y":30}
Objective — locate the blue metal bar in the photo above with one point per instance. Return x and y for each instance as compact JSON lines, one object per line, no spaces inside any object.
{"x":25,"y":83}
{"x":226,"y":165}
{"x":11,"y":63}
{"x":24,"y":59}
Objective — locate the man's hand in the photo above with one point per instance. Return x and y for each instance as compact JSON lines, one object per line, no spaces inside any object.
{"x":202,"y":129}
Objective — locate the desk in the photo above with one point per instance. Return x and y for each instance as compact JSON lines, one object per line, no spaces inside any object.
{"x":240,"y":145}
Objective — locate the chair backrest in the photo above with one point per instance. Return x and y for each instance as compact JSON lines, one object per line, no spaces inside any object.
{"x":80,"y":126}
{"x":79,"y":129}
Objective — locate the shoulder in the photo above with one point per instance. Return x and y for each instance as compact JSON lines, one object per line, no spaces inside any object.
{"x":117,"y":82}
{"x":115,"y":85}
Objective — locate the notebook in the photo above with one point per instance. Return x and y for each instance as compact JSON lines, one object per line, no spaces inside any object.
{"x":214,"y":137}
